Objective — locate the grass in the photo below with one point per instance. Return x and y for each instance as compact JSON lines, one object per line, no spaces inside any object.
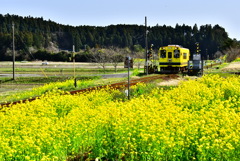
{"x":42,"y":80}
{"x":237,"y":60}
{"x":54,"y":72}
{"x":57,"y":71}
{"x":23,"y":88}
{"x":27,"y":87}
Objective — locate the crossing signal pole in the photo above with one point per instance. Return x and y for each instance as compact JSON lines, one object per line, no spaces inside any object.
{"x":128,"y":63}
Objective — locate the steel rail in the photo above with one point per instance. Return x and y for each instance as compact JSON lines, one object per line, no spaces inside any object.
{"x":119,"y":85}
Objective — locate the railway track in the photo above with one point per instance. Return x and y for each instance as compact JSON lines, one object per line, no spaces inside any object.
{"x":211,"y":65}
{"x":119,"y":85}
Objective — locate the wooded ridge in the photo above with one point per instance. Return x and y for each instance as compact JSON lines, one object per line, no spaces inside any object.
{"x":36,"y":35}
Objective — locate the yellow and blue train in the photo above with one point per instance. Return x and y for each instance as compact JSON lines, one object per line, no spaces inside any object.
{"x":173,"y":59}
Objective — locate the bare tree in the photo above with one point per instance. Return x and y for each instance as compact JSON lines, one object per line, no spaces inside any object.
{"x":232,"y":53}
{"x":218,"y":54}
{"x":116,"y":56}
{"x":138,"y":59}
{"x":112,"y":55}
{"x":101,"y":57}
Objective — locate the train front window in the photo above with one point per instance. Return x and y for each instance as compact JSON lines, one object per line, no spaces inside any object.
{"x":184,"y":55}
{"x":176,"y":53}
{"x":163,"y":53}
{"x":169,"y":54}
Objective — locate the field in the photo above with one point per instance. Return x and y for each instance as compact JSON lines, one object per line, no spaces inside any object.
{"x":29,"y":75}
{"x":55,"y":69}
{"x":198,"y":120}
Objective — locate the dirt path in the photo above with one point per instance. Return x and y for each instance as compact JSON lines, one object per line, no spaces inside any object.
{"x":235,"y":66}
{"x":171,"y":82}
{"x":176,"y":82}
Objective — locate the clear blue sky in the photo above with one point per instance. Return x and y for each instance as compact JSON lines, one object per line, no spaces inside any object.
{"x":106,"y":12}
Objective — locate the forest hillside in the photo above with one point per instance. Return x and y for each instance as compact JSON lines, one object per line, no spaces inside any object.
{"x":36,"y":38}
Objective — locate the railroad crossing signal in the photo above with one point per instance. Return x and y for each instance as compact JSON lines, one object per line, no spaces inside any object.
{"x":149,"y":55}
{"x":128,"y":62}
{"x":198,"y":50}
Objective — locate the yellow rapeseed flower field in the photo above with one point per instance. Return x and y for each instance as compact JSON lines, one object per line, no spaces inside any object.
{"x":198,"y":120}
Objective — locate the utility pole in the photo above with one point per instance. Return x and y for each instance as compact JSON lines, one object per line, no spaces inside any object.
{"x":74,"y":74}
{"x":146,"y":45}
{"x":13,"y":52}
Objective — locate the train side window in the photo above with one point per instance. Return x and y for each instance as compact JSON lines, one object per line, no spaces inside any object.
{"x":163,"y":53}
{"x":169,"y":54}
{"x":184,"y":55}
{"x":176,"y":53}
